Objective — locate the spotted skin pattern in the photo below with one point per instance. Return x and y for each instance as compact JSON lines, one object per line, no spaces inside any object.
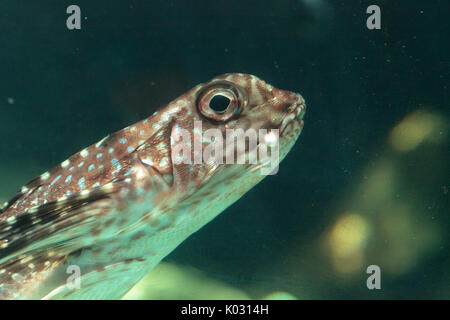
{"x":119,"y":206}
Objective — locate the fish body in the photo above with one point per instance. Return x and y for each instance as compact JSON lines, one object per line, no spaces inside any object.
{"x":115,"y":209}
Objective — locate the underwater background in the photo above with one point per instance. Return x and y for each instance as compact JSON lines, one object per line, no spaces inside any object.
{"x":366,"y":184}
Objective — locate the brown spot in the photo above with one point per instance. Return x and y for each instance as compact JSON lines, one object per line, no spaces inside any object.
{"x":213,"y":197}
{"x":122,"y":205}
{"x":109,"y":222}
{"x":97,"y":251}
{"x":104,"y":211}
{"x":141,"y":198}
{"x":100,"y":269}
{"x":122,"y":222}
{"x":96,"y":231}
{"x":154,"y":222}
{"x":204,"y":194}
{"x":138,"y":235}
{"x":163,"y":228}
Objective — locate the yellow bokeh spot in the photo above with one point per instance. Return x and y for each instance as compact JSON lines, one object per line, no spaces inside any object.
{"x":347,"y":239}
{"x":416,"y":128}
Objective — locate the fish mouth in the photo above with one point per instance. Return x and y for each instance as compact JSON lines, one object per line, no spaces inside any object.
{"x":295,"y":114}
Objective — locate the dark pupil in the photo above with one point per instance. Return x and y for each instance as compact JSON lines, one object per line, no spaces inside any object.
{"x":219,"y":103}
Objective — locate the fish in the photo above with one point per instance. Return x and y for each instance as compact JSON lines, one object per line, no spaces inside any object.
{"x":94,"y":225}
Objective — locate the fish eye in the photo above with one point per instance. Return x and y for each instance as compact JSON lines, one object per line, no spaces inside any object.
{"x":220,"y":101}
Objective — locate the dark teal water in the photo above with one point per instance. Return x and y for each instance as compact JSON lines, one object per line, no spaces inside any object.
{"x":347,"y":196}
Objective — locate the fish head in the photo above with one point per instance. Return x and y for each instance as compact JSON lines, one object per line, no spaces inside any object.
{"x":223,"y":137}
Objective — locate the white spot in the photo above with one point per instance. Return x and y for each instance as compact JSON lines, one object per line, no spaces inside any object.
{"x":81,"y":183}
{"x":156,"y":126}
{"x":65,"y":164}
{"x":16,"y":276}
{"x":165,"y":117}
{"x":98,"y":144}
{"x":140,"y":173}
{"x":108,"y":187}
{"x":271,"y":138}
{"x":26,"y":259}
{"x":164,"y":161}
{"x":31,"y":266}
{"x":160,"y":134}
{"x":24,"y":189}
{"x":56,"y":179}
{"x":45,"y":176}
{"x":68,"y":179}
{"x":33,"y":210}
{"x":133,"y":129}
{"x":84,"y":153}
{"x":148,"y":161}
{"x":84,"y":193}
{"x":162,"y":146}
{"x":11,"y":220}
